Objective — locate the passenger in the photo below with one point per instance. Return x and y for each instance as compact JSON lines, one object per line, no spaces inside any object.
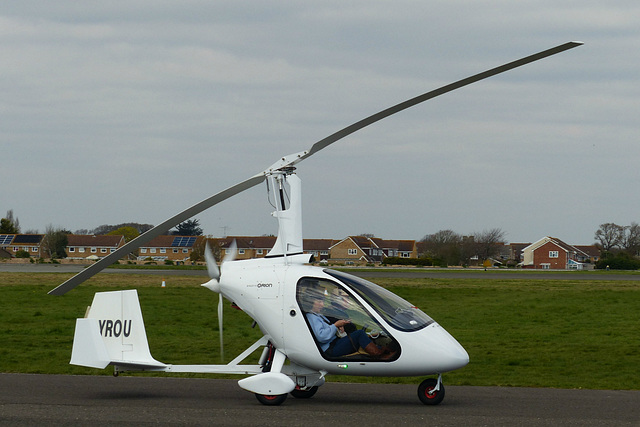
{"x":333,"y":346}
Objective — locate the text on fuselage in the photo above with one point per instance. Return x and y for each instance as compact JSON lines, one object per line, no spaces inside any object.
{"x":110,"y":328}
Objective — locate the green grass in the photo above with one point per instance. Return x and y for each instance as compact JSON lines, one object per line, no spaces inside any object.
{"x":523,"y":332}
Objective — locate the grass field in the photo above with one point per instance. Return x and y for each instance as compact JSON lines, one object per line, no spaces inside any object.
{"x":518,"y":332}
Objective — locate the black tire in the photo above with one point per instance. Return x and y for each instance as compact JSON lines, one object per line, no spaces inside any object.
{"x":304,"y":394}
{"x":426,"y":394}
{"x":271,"y":400}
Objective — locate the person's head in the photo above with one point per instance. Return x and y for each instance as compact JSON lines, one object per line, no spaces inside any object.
{"x":311,"y":297}
{"x":318,"y":305}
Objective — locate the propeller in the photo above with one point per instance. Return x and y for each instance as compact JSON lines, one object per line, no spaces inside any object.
{"x":292,"y":160}
{"x":214,"y":283}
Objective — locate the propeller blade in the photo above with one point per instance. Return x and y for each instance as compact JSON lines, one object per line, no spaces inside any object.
{"x":220,"y":326}
{"x":292,"y":160}
{"x":231,"y":252}
{"x":212,"y":265}
{"x":155,"y":232}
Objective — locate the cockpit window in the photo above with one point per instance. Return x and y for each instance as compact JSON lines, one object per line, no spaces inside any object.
{"x":399,"y":313}
{"x":325,"y":302}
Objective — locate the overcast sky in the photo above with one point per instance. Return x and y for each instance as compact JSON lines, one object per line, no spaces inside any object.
{"x":131,"y":111}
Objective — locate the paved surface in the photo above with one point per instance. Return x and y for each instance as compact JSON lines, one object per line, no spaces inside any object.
{"x":104,"y":400}
{"x":379,"y":272}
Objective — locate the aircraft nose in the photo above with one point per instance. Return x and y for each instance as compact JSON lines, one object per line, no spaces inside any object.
{"x":448,"y":352}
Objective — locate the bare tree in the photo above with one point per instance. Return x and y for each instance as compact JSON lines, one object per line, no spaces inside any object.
{"x":631,"y":239}
{"x":488,"y":242}
{"x":609,"y":236}
{"x":54,"y":242}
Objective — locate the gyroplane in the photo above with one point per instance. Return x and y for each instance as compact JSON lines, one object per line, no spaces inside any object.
{"x":315,"y":321}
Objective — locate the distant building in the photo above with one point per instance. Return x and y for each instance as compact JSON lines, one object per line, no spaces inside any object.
{"x":550,"y":253}
{"x":169,"y":248}
{"x":86,"y":246}
{"x":30,"y":243}
{"x":369,"y":250}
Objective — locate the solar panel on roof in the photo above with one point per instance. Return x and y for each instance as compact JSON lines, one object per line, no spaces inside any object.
{"x":5,"y":239}
{"x":27,"y":238}
{"x":183,"y":241}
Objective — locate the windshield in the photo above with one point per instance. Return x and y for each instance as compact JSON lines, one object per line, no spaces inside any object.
{"x":399,"y":313}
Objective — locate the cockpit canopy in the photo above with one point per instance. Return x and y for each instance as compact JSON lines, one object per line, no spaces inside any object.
{"x":399,"y":313}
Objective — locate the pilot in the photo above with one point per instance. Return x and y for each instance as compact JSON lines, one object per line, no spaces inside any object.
{"x":327,"y":334}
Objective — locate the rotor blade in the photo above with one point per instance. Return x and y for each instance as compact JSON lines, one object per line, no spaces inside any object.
{"x":220,"y":326}
{"x":429,"y":95}
{"x":212,"y":265}
{"x":155,"y":232}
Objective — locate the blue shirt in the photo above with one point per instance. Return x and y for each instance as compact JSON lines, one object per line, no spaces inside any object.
{"x":322,"y":329}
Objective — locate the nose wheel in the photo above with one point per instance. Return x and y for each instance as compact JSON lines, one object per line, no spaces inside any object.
{"x":431,"y":391}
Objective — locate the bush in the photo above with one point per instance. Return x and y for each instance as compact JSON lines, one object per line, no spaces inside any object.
{"x":407,"y":261}
{"x":22,"y":254}
{"x":619,"y":261}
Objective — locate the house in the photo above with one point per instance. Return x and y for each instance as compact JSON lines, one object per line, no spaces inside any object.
{"x":83,"y":246}
{"x":170,"y":248}
{"x":30,"y":243}
{"x":259,"y":246}
{"x":247,"y":247}
{"x":552,"y":253}
{"x":363,"y":250}
{"x":319,"y":248}
{"x":591,"y":250}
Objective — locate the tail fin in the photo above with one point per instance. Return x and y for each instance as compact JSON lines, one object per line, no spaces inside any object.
{"x":113,"y":332}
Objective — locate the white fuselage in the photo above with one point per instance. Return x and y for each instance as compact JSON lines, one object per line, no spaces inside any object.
{"x":266,"y":290}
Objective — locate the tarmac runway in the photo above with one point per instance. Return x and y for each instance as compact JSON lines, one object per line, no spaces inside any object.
{"x":433,"y":273}
{"x":27,"y":399}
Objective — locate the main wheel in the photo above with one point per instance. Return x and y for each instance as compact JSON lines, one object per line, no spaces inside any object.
{"x":427,"y":393}
{"x":304,"y":394}
{"x":271,"y":399}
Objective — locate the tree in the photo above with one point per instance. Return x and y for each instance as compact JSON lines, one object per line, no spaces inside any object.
{"x":488,"y":242}
{"x":9,"y":225}
{"x":609,"y":236}
{"x":631,"y":239}
{"x":129,"y":233}
{"x":190,"y":227}
{"x":442,"y":246}
{"x":106,"y":229}
{"x":54,"y":242}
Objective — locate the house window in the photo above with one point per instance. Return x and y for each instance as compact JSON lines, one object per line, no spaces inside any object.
{"x":81,"y":250}
{"x":405,"y":255}
{"x":72,"y":249}
{"x":545,"y":266}
{"x":241,"y":251}
{"x":175,"y":250}
{"x":553,"y":254}
{"x":259,"y":251}
{"x":143,"y":250}
{"x":94,"y":250}
{"x":103,"y":250}
{"x":185,"y":251}
{"x":152,"y":250}
{"x":34,"y":249}
{"x":163,"y":250}
{"x":352,"y":252}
